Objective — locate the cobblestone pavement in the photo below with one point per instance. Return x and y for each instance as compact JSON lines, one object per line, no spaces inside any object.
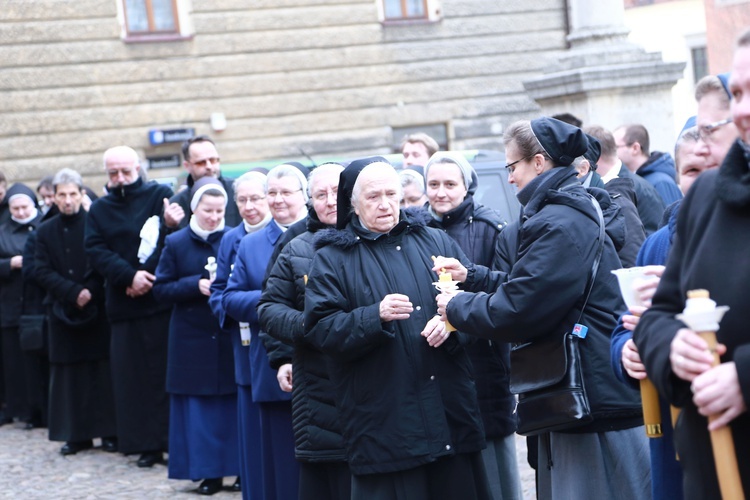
{"x":31,"y":467}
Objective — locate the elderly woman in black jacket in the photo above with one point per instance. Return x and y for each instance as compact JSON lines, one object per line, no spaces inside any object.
{"x":404,"y":392}
{"x":541,"y":298}
{"x":476,"y":229}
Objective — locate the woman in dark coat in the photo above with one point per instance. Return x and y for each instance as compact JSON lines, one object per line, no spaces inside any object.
{"x":24,"y":218}
{"x":203,"y":441}
{"x":404,"y":391}
{"x":81,"y":400}
{"x":541,"y":296}
{"x":476,"y":229}
{"x":319,"y":446}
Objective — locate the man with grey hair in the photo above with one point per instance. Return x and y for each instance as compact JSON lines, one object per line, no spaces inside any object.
{"x":124,"y":238}
{"x":81,"y":401}
{"x":404,"y":394}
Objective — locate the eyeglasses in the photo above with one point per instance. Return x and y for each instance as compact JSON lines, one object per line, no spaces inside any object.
{"x":706,"y":131}
{"x":511,"y":167}
{"x":253,"y":199}
{"x":205,"y":161}
{"x":323,"y":195}
{"x":284,"y":194}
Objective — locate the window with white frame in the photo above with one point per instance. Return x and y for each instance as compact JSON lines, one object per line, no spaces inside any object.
{"x":408,"y":10}
{"x":153,"y":19}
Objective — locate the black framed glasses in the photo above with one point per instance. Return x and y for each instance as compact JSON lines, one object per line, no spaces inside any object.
{"x":511,"y":167}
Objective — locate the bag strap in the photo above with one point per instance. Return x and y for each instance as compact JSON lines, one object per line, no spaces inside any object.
{"x":597,"y":258}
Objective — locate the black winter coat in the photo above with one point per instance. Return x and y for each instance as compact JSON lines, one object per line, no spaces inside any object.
{"x":542,"y":294}
{"x":317,"y":431}
{"x":13,"y":238}
{"x":112,"y":239}
{"x":709,"y":252}
{"x":402,"y":403}
{"x":476,"y":229}
{"x":622,"y":192}
{"x":63,"y":269}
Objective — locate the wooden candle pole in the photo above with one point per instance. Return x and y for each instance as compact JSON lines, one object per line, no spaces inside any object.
{"x":722,"y":442}
{"x":651,"y":409}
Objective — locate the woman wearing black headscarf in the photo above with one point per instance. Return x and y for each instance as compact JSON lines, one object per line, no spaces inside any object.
{"x":541,"y":298}
{"x":24,"y":218}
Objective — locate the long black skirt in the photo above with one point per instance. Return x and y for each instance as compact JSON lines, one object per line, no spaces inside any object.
{"x":138,"y":355}
{"x":14,"y":373}
{"x":460,"y":476}
{"x":81,"y":404}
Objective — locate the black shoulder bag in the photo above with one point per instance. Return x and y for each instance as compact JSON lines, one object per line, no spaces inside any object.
{"x":546,"y":374}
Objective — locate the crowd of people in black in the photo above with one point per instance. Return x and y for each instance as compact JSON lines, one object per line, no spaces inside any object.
{"x":355,"y":331}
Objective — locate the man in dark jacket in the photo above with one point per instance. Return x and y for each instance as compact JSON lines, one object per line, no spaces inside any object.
{"x":622,"y":192}
{"x":319,"y":445}
{"x":200,"y":159}
{"x":124,"y":238}
{"x":632,"y":142}
{"x":647,"y":200}
{"x":81,"y":400}
{"x":404,"y":393}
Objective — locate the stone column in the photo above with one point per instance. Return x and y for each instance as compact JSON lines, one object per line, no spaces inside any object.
{"x":605,"y":80}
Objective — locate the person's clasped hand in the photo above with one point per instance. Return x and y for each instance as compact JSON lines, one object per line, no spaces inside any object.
{"x":717,"y":392}
{"x":395,"y":306}
{"x":689,"y":354}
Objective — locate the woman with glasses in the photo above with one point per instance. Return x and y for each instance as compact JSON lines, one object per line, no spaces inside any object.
{"x":203,"y":396}
{"x":286,"y":193}
{"x":542,"y":297}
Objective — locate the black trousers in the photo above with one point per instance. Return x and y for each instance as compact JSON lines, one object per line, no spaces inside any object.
{"x":138,"y":356}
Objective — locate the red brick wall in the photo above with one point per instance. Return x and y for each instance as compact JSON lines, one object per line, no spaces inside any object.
{"x":724,"y":23}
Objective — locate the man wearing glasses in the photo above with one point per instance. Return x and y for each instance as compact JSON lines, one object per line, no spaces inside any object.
{"x":200,"y":160}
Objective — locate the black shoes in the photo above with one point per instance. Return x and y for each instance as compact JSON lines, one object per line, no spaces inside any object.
{"x":109,"y":444}
{"x":73,"y":447}
{"x":236,"y":486}
{"x":150,"y":458}
{"x":4,"y":419}
{"x":210,"y":486}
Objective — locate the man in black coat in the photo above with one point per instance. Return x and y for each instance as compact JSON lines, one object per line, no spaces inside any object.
{"x":124,"y":238}
{"x":200,"y":160}
{"x":81,"y":401}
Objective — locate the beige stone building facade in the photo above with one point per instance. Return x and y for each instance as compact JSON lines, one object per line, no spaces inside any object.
{"x":331,"y":78}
